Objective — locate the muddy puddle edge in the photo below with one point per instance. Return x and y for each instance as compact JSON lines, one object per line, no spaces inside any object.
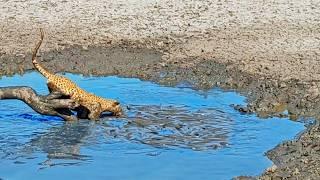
{"x":266,"y":96}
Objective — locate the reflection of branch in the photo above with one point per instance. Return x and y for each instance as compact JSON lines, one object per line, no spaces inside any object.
{"x":53,"y":104}
{"x":62,"y":143}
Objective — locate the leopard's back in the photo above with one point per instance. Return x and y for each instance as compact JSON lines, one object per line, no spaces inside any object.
{"x":63,"y":85}
{"x":86,"y":99}
{"x":68,"y":87}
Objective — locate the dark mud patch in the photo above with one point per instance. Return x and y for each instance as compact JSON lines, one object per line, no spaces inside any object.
{"x":266,"y":96}
{"x":297,"y":159}
{"x":88,"y":61}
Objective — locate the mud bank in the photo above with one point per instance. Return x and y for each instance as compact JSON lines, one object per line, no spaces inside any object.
{"x":269,"y":51}
{"x":267,"y":96}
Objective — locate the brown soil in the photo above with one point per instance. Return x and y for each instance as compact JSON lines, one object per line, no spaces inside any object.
{"x":269,"y":51}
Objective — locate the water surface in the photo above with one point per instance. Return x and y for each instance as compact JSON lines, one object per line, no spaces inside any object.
{"x":170,"y":133}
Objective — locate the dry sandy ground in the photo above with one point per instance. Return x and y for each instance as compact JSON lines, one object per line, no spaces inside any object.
{"x":266,"y":49}
{"x":280,"y":39}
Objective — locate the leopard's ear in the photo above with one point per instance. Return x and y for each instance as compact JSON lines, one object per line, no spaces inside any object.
{"x":116,"y":103}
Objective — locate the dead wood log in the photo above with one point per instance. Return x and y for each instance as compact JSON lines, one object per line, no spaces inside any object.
{"x":53,"y":104}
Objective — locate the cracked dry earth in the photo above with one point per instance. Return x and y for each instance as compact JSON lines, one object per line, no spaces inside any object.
{"x":269,"y":51}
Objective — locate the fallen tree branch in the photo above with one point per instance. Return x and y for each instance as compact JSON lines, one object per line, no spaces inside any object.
{"x":54,"y":104}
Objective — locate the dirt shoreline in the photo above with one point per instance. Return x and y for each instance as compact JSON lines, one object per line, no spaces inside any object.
{"x":269,"y":51}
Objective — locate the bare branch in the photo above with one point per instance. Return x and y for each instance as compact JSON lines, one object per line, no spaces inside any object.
{"x":53,"y":104}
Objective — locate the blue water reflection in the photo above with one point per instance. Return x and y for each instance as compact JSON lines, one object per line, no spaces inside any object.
{"x":170,"y":133}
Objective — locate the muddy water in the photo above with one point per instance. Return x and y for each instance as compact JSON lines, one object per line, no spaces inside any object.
{"x":169,"y":133}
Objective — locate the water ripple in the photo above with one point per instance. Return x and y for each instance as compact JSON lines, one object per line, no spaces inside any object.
{"x":180,"y":132}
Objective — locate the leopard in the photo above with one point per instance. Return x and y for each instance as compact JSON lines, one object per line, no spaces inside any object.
{"x":94,"y":104}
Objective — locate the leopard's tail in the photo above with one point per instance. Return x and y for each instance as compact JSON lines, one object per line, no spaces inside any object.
{"x":35,"y":63}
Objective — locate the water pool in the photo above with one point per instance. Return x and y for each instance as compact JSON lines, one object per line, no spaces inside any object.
{"x":170,"y":133}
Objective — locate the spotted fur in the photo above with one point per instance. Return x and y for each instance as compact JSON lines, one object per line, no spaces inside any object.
{"x":95,"y":104}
